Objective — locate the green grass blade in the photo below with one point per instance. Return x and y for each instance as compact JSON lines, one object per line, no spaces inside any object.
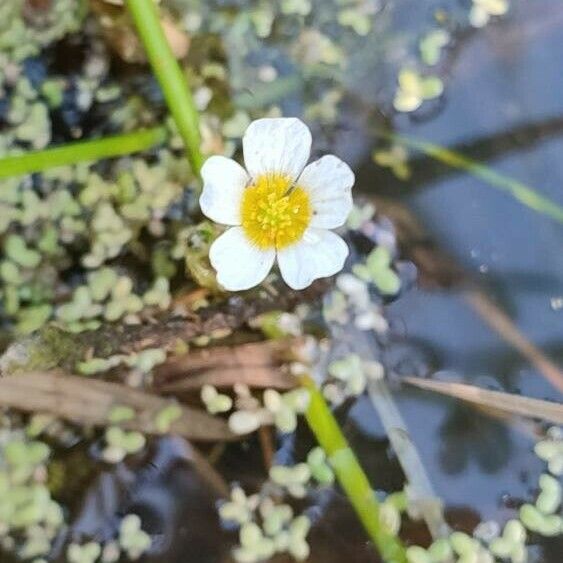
{"x":350,"y":474}
{"x":170,"y":76}
{"x":81,"y":151}
{"x":521,"y":192}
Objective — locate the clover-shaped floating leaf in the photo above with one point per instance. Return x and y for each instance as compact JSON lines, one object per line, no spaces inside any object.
{"x":319,"y":467}
{"x":378,"y":270}
{"x":293,"y":478}
{"x":297,"y":7}
{"x":482,"y":10}
{"x":275,"y":517}
{"x":214,"y":401}
{"x":33,"y":318}
{"x":351,"y":17}
{"x":166,"y":417}
{"x":101,"y":283}
{"x":396,"y":158}
{"x":120,"y":443}
{"x":121,"y":413}
{"x":85,"y":553}
{"x":350,"y":371}
{"x":132,"y":539}
{"x":440,"y":551}
{"x":254,"y":545}
{"x":25,"y":454}
{"x":360,"y":215}
{"x":511,"y":545}
{"x":536,"y":521}
{"x":159,"y":294}
{"x":239,"y":508}
{"x":414,"y":89}
{"x":431,"y":46}
{"x":551,"y":451}
{"x":297,"y":545}
{"x":550,"y":494}
{"x":17,"y":250}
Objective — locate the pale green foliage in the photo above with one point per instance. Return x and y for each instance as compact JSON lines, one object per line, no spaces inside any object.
{"x":83,"y":553}
{"x":30,"y":517}
{"x":133,"y":540}
{"x":266,"y":526}
{"x":482,"y":10}
{"x":214,"y":401}
{"x":166,"y":417}
{"x":121,"y":443}
{"x":431,"y":46}
{"x":20,"y":40}
{"x":378,"y":270}
{"x":415,"y":89}
{"x":396,"y":158}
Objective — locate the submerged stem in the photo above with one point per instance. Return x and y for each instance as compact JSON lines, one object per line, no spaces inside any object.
{"x":170,"y":76}
{"x":81,"y":151}
{"x":521,"y":192}
{"x":351,"y":475}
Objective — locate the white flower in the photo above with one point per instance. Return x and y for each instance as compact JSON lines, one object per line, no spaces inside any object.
{"x":277,"y":208}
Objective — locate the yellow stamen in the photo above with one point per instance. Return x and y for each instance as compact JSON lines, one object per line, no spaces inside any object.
{"x":274,"y":215}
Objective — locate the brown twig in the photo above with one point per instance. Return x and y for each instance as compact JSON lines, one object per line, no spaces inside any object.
{"x":52,"y":347}
{"x":258,"y":365}
{"x":497,"y":319}
{"x":267,"y":445}
{"x":89,"y":402}
{"x":507,"y":402}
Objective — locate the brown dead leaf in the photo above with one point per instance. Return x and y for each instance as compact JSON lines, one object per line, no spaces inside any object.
{"x":88,"y":401}
{"x":498,"y":400}
{"x":259,"y":365}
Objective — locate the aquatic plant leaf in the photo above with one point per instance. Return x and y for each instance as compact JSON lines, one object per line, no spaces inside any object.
{"x":431,"y":45}
{"x":521,"y":192}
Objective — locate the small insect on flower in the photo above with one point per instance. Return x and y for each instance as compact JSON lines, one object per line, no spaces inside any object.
{"x":277,"y":208}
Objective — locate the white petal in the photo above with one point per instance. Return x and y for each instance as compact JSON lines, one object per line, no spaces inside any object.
{"x":239,"y":264}
{"x":329,"y":183}
{"x":279,"y":145}
{"x":223,"y":183}
{"x":320,"y":253}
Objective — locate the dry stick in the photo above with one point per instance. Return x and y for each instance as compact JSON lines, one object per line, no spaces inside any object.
{"x":498,"y":400}
{"x":499,"y":321}
{"x":89,"y":402}
{"x":267,"y":444}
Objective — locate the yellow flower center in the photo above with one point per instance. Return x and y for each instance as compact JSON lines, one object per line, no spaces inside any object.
{"x":274,"y":214}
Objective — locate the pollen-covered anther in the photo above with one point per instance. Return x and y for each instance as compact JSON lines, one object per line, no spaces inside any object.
{"x":274,"y":214}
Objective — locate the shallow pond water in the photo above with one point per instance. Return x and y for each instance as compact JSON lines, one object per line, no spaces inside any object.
{"x":502,"y":106}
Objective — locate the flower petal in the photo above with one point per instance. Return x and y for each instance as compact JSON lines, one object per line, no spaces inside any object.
{"x":224,"y":181}
{"x":278,"y":145}
{"x":329,"y":183}
{"x":320,"y":253}
{"x":238,"y":263}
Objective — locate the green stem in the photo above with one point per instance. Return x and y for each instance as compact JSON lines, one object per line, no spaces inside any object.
{"x":170,"y":76}
{"x":350,"y":474}
{"x":81,"y":151}
{"x":521,"y":192}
